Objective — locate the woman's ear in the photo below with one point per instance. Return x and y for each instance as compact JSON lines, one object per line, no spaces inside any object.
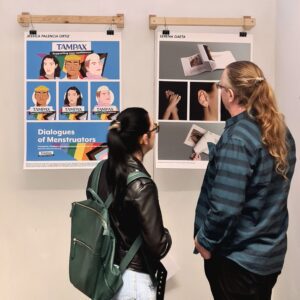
{"x":144,"y":139}
{"x":203,"y":98}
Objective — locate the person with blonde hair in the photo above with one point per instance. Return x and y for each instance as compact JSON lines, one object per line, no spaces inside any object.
{"x":72,"y":67}
{"x":94,"y":66}
{"x":41,"y":96}
{"x":241,"y":215}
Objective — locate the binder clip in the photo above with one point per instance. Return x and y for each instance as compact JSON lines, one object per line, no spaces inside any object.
{"x":166,"y":31}
{"x":32,"y":32}
{"x":110,"y":32}
{"x":243,"y":34}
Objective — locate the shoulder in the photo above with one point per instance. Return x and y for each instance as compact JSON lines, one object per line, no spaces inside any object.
{"x":246,"y":133}
{"x":142,"y":191}
{"x":141,"y":186}
{"x":141,"y":183}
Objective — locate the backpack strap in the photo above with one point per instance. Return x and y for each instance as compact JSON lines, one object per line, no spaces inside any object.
{"x":92,"y":188}
{"x":131,"y":253}
{"x":135,"y":175}
{"x":139,"y":240}
{"x":96,"y":176}
{"x":130,"y":178}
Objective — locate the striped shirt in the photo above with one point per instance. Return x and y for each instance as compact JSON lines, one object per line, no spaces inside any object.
{"x":242,"y":208}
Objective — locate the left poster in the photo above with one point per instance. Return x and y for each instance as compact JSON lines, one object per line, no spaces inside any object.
{"x":72,"y":92}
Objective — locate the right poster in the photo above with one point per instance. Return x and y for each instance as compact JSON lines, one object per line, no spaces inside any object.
{"x":188,"y":104}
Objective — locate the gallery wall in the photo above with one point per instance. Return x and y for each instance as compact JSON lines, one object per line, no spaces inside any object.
{"x":35,"y":205}
{"x":288,"y":94}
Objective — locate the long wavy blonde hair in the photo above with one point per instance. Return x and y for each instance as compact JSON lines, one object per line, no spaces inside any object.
{"x":255,"y":94}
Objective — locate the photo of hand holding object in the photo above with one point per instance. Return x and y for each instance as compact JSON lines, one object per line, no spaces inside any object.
{"x":171,"y":112}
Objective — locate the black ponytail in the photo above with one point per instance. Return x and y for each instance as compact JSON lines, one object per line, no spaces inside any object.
{"x":123,"y":141}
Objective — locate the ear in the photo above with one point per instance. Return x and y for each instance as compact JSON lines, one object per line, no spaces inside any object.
{"x":231,"y":95}
{"x":144,"y":139}
{"x":203,"y":98}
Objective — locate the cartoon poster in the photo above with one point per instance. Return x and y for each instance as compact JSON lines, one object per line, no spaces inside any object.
{"x":188,"y":103}
{"x":72,"y":92}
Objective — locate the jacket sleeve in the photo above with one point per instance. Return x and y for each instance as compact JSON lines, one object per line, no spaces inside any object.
{"x":157,"y":239}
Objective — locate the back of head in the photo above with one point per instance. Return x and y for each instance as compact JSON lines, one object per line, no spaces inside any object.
{"x":123,"y":140}
{"x":253,"y":92}
{"x":247,"y":80}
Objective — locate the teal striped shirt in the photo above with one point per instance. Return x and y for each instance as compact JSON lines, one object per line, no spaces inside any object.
{"x":242,"y":208}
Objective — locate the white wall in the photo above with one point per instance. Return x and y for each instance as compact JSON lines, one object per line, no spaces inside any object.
{"x":288,"y":93}
{"x":34,"y":222}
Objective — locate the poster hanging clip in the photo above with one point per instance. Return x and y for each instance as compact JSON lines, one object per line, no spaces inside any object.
{"x":166,"y":31}
{"x":110,"y":31}
{"x":32,"y":30}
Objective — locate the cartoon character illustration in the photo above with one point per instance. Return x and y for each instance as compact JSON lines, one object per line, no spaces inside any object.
{"x":104,"y":108}
{"x":50,"y":68}
{"x":73,"y":108}
{"x":94,"y":66}
{"x":41,"y":98}
{"x":73,"y":97}
{"x":72,"y":67}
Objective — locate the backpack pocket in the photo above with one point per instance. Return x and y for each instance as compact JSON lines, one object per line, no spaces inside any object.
{"x":84,"y":264}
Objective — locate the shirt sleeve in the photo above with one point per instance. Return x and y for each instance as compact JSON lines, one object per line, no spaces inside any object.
{"x":227,"y":196}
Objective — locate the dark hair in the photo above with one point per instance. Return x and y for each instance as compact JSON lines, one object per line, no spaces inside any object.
{"x":79,"y":100}
{"x":208,"y":87}
{"x":57,"y":69}
{"x":123,"y":141}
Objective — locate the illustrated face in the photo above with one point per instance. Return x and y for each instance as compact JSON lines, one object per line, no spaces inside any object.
{"x":72,"y":67}
{"x":95,"y":67}
{"x":104,"y":98}
{"x":41,"y":98}
{"x":72,"y":97}
{"x":49,"y":66}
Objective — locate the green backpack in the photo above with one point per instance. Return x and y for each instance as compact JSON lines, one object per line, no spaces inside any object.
{"x":91,"y":263}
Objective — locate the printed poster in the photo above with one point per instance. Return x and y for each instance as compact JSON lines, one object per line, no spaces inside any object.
{"x":188,"y":103}
{"x":72,"y":92}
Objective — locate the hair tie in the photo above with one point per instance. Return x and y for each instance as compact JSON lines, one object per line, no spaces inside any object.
{"x":259,"y":79}
{"x":115,"y":125}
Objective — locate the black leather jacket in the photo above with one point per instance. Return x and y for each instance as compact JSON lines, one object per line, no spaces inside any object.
{"x":138,"y":214}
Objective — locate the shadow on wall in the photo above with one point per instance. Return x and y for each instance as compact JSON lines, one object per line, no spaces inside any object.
{"x":166,"y":179}
{"x":54,"y":179}
{"x":179,"y":179}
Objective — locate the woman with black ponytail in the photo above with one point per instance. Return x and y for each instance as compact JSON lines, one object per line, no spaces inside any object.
{"x":135,"y":209}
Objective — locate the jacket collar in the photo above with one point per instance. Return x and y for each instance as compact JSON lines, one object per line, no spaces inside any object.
{"x":136,"y":164}
{"x":235,"y":119}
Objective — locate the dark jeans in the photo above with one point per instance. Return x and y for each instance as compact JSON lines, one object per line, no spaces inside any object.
{"x":229,"y":281}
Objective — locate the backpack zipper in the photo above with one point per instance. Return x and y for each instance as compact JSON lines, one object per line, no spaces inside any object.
{"x":83,"y":244}
{"x":96,"y":212}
